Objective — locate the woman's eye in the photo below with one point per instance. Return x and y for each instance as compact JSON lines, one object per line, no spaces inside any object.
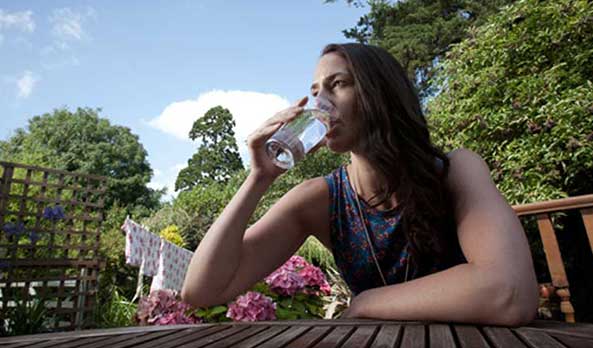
{"x":338,"y":83}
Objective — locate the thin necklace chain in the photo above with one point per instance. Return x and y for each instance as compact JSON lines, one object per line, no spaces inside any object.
{"x":368,"y":236}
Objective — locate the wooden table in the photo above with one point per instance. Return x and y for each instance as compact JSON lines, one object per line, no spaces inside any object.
{"x":336,"y":333}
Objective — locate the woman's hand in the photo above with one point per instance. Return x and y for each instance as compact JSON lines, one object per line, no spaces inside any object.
{"x":261,"y":165}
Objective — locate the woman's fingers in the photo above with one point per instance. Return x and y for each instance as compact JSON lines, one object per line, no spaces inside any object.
{"x":302,"y":102}
{"x":271,"y":125}
{"x":284,"y":116}
{"x":262,"y":134}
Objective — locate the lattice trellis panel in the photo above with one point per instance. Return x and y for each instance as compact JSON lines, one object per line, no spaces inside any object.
{"x":50,"y":223}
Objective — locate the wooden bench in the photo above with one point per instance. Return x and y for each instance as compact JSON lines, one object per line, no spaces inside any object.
{"x":542,"y":211}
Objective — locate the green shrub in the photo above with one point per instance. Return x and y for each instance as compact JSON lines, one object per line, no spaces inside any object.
{"x":519,"y":93}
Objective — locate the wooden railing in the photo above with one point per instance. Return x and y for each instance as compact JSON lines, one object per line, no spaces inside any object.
{"x":542,"y":211}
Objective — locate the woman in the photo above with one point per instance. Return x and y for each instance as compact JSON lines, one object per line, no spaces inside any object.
{"x":417,"y":234}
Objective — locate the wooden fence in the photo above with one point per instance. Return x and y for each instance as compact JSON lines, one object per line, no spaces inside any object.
{"x":50,"y":224}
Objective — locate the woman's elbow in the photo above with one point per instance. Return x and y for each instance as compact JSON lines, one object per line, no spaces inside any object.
{"x":188,"y":297}
{"x":194,"y":298}
{"x":198,"y":299}
{"x":516,"y":304}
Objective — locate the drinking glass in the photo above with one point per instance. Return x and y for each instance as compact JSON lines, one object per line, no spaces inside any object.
{"x":293,"y":140}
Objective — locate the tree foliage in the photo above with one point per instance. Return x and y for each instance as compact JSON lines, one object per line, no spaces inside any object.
{"x":419,"y":32}
{"x":518,"y":91}
{"x":83,"y":142}
{"x":217,"y":156}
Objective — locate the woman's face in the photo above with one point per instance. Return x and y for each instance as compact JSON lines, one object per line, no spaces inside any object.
{"x":334,"y":81}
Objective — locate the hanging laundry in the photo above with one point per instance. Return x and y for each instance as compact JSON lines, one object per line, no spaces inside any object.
{"x":142,"y":247}
{"x":173,"y":263}
{"x":156,"y":257}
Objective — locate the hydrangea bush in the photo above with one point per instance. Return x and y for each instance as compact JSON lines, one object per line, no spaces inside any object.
{"x":293,"y":291}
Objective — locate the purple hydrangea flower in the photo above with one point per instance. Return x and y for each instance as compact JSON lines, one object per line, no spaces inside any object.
{"x":253,"y":306}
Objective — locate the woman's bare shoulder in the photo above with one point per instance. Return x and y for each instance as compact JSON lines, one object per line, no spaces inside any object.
{"x":463,"y":153}
{"x":469,"y":175}
{"x":311,"y":193}
{"x":313,"y":204}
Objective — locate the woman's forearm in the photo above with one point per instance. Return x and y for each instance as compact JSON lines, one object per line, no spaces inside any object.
{"x":217,"y":257}
{"x":464,"y":293}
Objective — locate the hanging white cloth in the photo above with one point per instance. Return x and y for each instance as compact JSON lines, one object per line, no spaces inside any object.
{"x":156,"y":257}
{"x":173,"y":263}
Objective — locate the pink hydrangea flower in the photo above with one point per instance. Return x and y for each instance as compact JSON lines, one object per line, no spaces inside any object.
{"x":253,"y":306}
{"x":285,"y":282}
{"x":295,"y":263}
{"x":314,"y":277}
{"x":163,"y":307}
{"x":175,"y":318}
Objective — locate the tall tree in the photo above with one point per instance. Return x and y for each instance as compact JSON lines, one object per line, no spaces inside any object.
{"x":419,"y":32}
{"x":81,"y":141}
{"x":217,"y":157}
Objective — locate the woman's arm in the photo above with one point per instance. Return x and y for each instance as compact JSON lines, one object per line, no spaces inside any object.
{"x":230,"y":259}
{"x":497,"y":286}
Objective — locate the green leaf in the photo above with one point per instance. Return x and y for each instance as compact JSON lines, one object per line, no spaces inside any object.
{"x":218,"y":310}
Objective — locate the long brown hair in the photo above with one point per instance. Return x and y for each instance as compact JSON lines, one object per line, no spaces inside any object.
{"x":396,"y":141}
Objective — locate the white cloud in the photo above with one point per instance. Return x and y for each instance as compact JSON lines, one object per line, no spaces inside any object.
{"x":26,"y":84}
{"x":1,"y":39}
{"x":166,"y":178}
{"x":249,"y":109}
{"x":22,"y":21}
{"x":67,"y":25}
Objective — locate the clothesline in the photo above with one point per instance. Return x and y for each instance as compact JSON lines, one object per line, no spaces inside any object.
{"x":158,"y":258}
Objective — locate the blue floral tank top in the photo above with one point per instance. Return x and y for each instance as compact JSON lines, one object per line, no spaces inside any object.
{"x":349,"y":242}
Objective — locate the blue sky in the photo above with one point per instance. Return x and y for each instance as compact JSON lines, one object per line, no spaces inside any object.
{"x":155,"y":66}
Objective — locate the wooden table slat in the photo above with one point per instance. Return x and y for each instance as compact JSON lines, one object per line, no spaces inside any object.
{"x":292,"y":333}
{"x":362,"y":337}
{"x":260,"y":338}
{"x":14,"y":344}
{"x":80,"y":342}
{"x":54,"y":343}
{"x":470,"y":337}
{"x":413,"y":336}
{"x":209,"y":339}
{"x":310,"y":337}
{"x":573,"y":342}
{"x":538,"y":339}
{"x":502,"y":337}
{"x":193,"y":335}
{"x":243,"y":335}
{"x":387,"y":337}
{"x":111,"y":340}
{"x":137,"y":339}
{"x":440,"y":335}
{"x":159,"y":342}
{"x":335,"y":338}
{"x":21,"y":344}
